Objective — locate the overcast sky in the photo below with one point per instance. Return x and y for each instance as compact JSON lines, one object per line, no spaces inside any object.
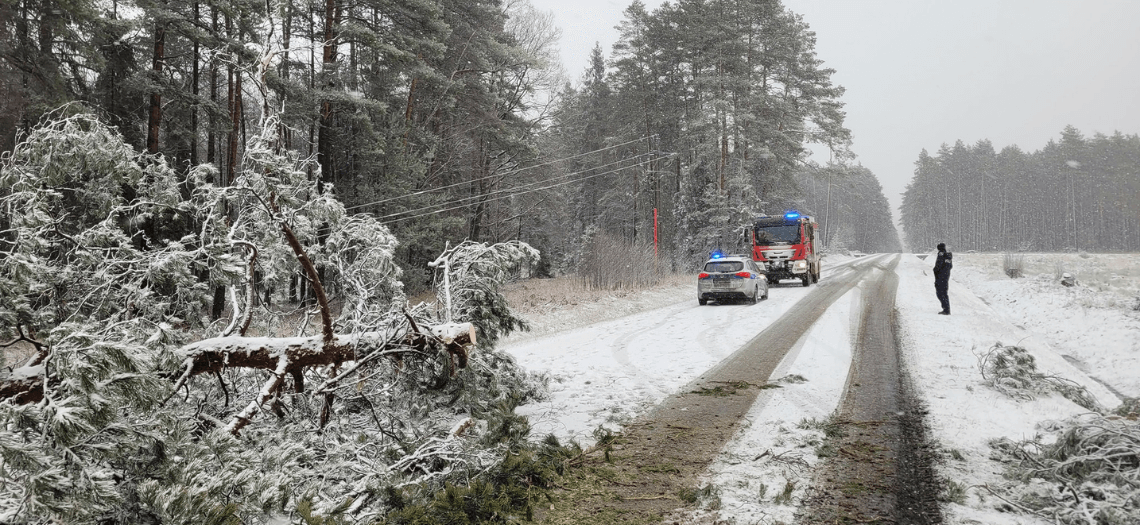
{"x":920,"y":73}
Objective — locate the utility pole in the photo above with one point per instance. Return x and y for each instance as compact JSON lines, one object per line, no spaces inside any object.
{"x":827,"y":209}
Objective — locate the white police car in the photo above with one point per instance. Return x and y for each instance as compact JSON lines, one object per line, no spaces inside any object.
{"x":731,"y":278}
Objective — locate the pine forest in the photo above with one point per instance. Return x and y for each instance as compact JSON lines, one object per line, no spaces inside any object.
{"x":1079,"y":194}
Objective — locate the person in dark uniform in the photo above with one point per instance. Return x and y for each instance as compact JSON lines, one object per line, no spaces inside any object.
{"x":942,"y":265}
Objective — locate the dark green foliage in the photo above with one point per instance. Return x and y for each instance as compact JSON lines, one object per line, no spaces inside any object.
{"x":504,"y":494}
{"x":490,"y":313}
{"x":504,"y":426}
{"x":472,"y":284}
{"x":336,"y":516}
{"x":225,"y":515}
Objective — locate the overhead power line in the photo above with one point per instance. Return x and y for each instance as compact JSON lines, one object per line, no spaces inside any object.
{"x":502,"y":174}
{"x":529,"y":184}
{"x":563,"y":183}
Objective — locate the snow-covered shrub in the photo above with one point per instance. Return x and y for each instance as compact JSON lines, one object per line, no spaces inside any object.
{"x":1129,"y":408}
{"x":1013,"y":265}
{"x":1068,"y":280}
{"x":95,"y":276}
{"x":1089,"y":474}
{"x":1012,"y":371}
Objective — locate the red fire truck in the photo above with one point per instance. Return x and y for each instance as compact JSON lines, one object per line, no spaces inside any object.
{"x":785,"y":245}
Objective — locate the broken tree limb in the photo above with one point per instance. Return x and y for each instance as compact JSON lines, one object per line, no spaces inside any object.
{"x":310,"y":270}
{"x":290,"y":355}
{"x":456,"y":337}
{"x":268,"y":390}
{"x":22,"y":391}
{"x":216,"y":353}
{"x":266,"y":353}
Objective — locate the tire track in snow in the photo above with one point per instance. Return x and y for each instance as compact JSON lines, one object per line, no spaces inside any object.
{"x":661,"y":454}
{"x":620,"y":347}
{"x":883,"y":471}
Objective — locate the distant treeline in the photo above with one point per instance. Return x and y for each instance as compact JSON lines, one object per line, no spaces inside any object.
{"x":1078,"y":194}
{"x":849,"y":205}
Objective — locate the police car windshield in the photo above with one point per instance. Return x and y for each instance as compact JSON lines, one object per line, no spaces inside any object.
{"x":724,"y":266}
{"x":767,"y":235}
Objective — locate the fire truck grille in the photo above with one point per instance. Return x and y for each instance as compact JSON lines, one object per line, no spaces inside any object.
{"x":778,"y":255}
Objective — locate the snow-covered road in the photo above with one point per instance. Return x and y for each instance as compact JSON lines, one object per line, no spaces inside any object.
{"x":609,"y":372}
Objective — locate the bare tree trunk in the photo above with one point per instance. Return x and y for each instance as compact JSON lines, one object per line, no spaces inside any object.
{"x":324,"y":138}
{"x":235,"y":114}
{"x":479,"y":171}
{"x":286,"y":36}
{"x":636,"y":189}
{"x":25,"y":54}
{"x":155,"y":117}
{"x":312,"y":87}
{"x":219,"y":301}
{"x":47,"y":32}
{"x":211,"y":138}
{"x":194,"y":90}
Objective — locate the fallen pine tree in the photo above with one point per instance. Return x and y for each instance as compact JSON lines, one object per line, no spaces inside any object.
{"x":291,"y":356}
{"x":139,"y":406}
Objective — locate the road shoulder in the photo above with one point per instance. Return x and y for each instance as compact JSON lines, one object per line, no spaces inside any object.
{"x":965,"y":414}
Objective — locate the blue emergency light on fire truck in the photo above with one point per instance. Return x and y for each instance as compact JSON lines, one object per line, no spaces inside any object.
{"x":785,"y":245}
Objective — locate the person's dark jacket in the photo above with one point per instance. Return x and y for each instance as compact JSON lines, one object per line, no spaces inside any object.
{"x":942,"y":265}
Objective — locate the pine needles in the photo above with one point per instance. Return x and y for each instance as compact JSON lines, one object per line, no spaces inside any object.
{"x":1090,"y":474}
{"x":1012,"y":371}
{"x":505,"y":493}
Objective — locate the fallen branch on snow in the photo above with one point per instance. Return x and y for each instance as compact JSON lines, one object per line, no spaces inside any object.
{"x":281,"y":355}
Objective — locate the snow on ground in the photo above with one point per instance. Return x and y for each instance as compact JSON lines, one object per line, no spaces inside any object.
{"x":964,"y":414}
{"x":1092,"y":325}
{"x":606,"y":373}
{"x":609,"y":372}
{"x":766,"y":469}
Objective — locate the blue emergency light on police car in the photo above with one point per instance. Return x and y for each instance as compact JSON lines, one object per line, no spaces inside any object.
{"x":716,"y":255}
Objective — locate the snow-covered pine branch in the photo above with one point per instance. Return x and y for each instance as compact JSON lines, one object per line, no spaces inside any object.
{"x":474,"y":274}
{"x":294,"y":355}
{"x":109,"y":274}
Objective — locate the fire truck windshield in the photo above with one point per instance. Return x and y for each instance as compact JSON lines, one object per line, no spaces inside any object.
{"x":787,"y":234}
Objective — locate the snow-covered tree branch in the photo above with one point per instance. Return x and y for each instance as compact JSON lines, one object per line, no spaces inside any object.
{"x":138,"y":405}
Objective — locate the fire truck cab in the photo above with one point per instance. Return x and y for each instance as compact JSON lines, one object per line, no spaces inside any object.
{"x":785,"y":245}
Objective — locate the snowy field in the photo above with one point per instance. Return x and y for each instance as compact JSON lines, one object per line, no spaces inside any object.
{"x":605,"y":373}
